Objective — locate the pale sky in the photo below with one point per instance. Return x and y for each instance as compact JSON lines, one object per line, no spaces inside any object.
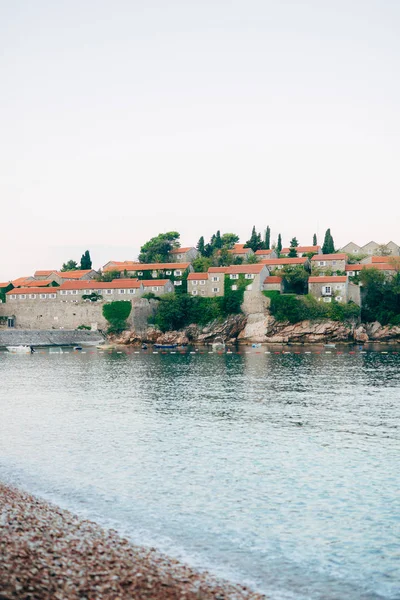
{"x":123,"y":119}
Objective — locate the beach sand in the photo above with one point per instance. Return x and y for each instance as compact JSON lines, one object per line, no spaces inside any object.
{"x":49,"y":553}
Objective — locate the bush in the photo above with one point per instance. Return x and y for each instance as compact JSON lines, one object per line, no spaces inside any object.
{"x":116,"y":314}
{"x":84,"y":327}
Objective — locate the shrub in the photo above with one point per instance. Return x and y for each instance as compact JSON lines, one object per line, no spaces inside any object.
{"x":84,"y":327}
{"x":116,"y":314}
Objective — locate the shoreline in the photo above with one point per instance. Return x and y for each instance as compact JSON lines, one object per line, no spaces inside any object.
{"x":49,"y":553}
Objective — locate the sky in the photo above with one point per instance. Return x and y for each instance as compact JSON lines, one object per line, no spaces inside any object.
{"x":120,"y":120}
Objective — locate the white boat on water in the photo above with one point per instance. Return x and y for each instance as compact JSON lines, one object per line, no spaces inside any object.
{"x":218,"y":344}
{"x":19,"y":349}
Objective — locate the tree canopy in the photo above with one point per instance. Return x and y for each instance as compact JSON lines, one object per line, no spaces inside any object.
{"x":267,"y":240}
{"x":70,"y":265}
{"x":329,"y":246}
{"x":86,"y":261}
{"x":255,"y":242}
{"x":116,"y":314}
{"x":157,"y":249}
{"x":314,"y":240}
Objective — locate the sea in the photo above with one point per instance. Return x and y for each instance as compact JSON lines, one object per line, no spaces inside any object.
{"x":274,"y":467}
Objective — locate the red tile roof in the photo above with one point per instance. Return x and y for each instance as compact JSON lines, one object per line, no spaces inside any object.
{"x":100,"y":285}
{"x":21,"y":281}
{"x":44,"y":273}
{"x":382,"y":259}
{"x":263,"y":252}
{"x":40,"y":283}
{"x":5,"y":284}
{"x":254,"y":269}
{"x":330,"y":279}
{"x":181,"y":250}
{"x":302,"y":249}
{"x":338,"y":256}
{"x":32,"y":290}
{"x":299,"y":260}
{"x":158,"y":282}
{"x":378,"y":266}
{"x":273,"y":279}
{"x":148,"y":267}
{"x":74,"y":274}
{"x":197,"y":276}
{"x":218,"y":269}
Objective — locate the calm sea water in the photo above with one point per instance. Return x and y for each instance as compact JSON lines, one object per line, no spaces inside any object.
{"x":279,"y":470}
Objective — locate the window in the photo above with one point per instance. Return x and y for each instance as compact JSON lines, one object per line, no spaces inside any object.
{"x":322,"y":263}
{"x":215,"y":279}
{"x":202,"y":292}
{"x":155,"y":288}
{"x":140,"y":272}
{"x":22,"y":296}
{"x":177,"y":282}
{"x":234,"y":276}
{"x":53,"y":296}
{"x":133,"y":291}
{"x":178,"y":273}
{"x":194,"y":293}
{"x":215,"y":290}
{"x":202,"y":282}
{"x":249,"y":276}
{"x":334,"y":262}
{"x":338,"y":298}
{"x":194,"y":282}
{"x":338,"y":287}
{"x":109,"y":291}
{"x":63,"y":292}
{"x":32,"y":296}
{"x":168,"y":272}
{"x":75,"y":292}
{"x":121,"y":291}
{"x":327,"y":289}
{"x":234,"y":288}
{"x":154,"y":274}
{"x":179,"y":256}
{"x":42,"y":296}
{"x":327,"y":299}
{"x":13,"y":296}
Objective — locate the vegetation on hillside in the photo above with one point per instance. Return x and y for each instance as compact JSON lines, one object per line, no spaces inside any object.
{"x":116,"y":313}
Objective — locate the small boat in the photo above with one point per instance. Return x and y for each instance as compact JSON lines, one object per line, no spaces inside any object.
{"x":162,"y":346}
{"x":218,"y":344}
{"x":144,"y":346}
{"x":256,"y":345}
{"x":20,"y":349}
{"x":329,"y":345}
{"x":77,"y":347}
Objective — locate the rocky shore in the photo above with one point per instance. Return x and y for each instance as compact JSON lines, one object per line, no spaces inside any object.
{"x":49,"y":554}
{"x":263,"y":328}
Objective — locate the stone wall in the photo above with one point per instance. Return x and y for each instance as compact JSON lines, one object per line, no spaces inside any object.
{"x":31,"y":337}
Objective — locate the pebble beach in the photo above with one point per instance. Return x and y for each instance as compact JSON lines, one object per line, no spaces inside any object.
{"x":49,"y":553}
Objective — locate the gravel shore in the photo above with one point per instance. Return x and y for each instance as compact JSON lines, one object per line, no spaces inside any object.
{"x":49,"y":553}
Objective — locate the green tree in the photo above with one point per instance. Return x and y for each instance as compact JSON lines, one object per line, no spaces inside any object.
{"x":295,"y":279}
{"x":267,"y":240}
{"x":70,"y":265}
{"x":201,"y":264}
{"x":218,"y":240}
{"x":329,"y":246}
{"x":252,"y":259}
{"x":86,"y":261}
{"x":293,"y":248}
{"x":279,"y":245}
{"x":254,"y":242}
{"x":200,"y":246}
{"x":229,"y":240}
{"x":116,"y":313}
{"x":314,"y":240}
{"x":157,"y":249}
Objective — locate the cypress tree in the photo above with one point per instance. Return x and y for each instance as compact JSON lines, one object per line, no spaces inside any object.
{"x":314,"y":239}
{"x":279,"y":244}
{"x":329,"y":246}
{"x":218,"y":241}
{"x":86,"y":261}
{"x":200,"y":246}
{"x":267,"y":238}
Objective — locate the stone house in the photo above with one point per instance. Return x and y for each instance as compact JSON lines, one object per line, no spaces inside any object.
{"x":60,"y":276}
{"x":198,"y":284}
{"x":351,"y":248}
{"x":392,"y":260}
{"x":262,"y":254}
{"x":301,"y":250}
{"x":158,"y":286}
{"x":324,"y":289}
{"x":274,"y":264}
{"x":176,"y":272}
{"x":188,"y":254}
{"x":216,"y":281}
{"x":386,"y":267}
{"x":239,"y":251}
{"x":273,"y":283}
{"x":329,"y":262}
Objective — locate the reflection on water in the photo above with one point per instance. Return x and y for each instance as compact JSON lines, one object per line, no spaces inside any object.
{"x":276,"y":469}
